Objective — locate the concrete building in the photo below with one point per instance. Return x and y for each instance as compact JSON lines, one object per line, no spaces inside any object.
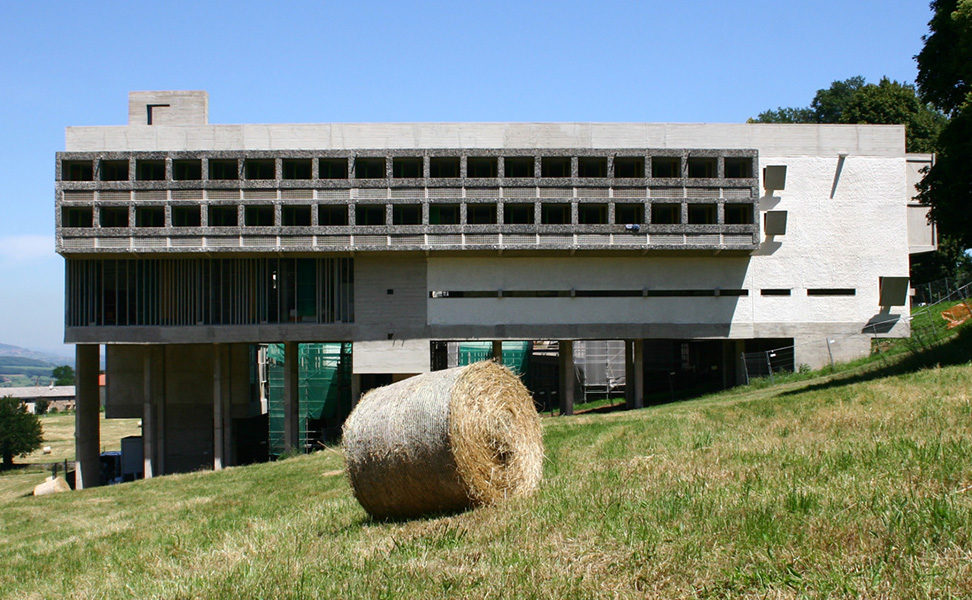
{"x":187,"y":243}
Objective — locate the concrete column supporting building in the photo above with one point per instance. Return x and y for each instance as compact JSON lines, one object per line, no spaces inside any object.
{"x":148,"y":416}
{"x":291,"y":395}
{"x":355,"y":389}
{"x":566,"y":358}
{"x":498,"y":351}
{"x":87,"y":427}
{"x":638,"y":371}
{"x":629,"y":376}
{"x":219,"y":458}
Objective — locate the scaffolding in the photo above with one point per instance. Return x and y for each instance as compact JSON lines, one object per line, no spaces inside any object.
{"x":599,"y":365}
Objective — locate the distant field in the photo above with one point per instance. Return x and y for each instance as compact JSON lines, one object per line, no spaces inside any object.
{"x":854,"y":485}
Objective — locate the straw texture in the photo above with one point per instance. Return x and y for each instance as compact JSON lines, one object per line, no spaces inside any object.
{"x":443,"y":441}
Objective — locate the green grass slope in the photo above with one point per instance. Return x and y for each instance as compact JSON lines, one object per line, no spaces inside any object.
{"x":849,"y":486}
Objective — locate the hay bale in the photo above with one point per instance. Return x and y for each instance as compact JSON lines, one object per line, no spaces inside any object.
{"x":52,"y":485}
{"x":444,"y":441}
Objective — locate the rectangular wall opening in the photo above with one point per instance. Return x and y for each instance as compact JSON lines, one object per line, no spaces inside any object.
{"x":482,"y":167}
{"x":629,"y":166}
{"x":259,"y":168}
{"x":738,"y":167}
{"x":332,"y":215}
{"x":333,"y":168}
{"x":407,"y":214}
{"x":223,"y":216}
{"x":629,"y":213}
{"x":592,"y":214}
{"x":222,"y":168}
{"x":592,"y":166}
{"x":186,"y":170}
{"x":369,"y":168}
{"x":443,"y":214}
{"x":702,"y":214}
{"x":149,"y":216}
{"x":77,"y":216}
{"x":407,"y":167}
{"x":739,"y":214}
{"x":444,"y":167}
{"x":664,"y":213}
{"x":297,"y":168}
{"x":114,"y":170}
{"x":186,"y":216}
{"x":149,"y":170}
{"x":700,"y":167}
{"x":369,"y":214}
{"x":518,"y":166}
{"x":76,"y":170}
{"x":518,"y":214}
{"x":555,"y":166}
{"x":114,"y":216}
{"x":295,"y":216}
{"x":555,"y":213}
{"x":666,"y":166}
{"x":258,"y":215}
{"x":831,"y":292}
{"x":481,"y":214}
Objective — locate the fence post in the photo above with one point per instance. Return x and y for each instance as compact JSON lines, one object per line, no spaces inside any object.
{"x":830,"y":354}
{"x":769,"y":366}
{"x":742,"y":356}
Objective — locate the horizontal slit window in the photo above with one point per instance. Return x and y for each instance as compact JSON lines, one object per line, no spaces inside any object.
{"x":775,"y":292}
{"x":481,"y":214}
{"x":297,"y":168}
{"x":77,"y":216}
{"x":518,"y":166}
{"x":186,"y":216}
{"x":518,"y":214}
{"x":629,"y":166}
{"x":149,"y":170}
{"x":186,"y":170}
{"x":76,"y":170}
{"x":149,"y":216}
{"x":463,"y":294}
{"x":831,"y":292}
{"x":295,"y":216}
{"x":482,"y":167}
{"x":223,"y":216}
{"x":444,"y":167}
{"x":332,"y":215}
{"x":333,"y":168}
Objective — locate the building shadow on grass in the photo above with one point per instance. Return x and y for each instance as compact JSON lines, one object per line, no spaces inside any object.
{"x":956,"y":351}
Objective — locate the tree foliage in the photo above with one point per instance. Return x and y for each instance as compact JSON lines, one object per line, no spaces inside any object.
{"x":855,"y":101}
{"x":20,"y":431}
{"x":63,"y":375}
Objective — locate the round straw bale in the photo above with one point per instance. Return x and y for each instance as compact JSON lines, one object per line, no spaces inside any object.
{"x":443,"y":441}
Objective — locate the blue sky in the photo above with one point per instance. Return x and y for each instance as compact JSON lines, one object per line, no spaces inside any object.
{"x":74,"y":63}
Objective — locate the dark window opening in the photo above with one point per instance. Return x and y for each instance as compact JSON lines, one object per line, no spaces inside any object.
{"x":552,"y":213}
{"x":114,"y":216}
{"x":369,"y":214}
{"x":775,"y":292}
{"x":149,"y":170}
{"x":407,"y":214}
{"x":76,"y":170}
{"x":258,"y":216}
{"x":831,"y":292}
{"x":186,"y":216}
{"x":186,"y":170}
{"x":666,"y":214}
{"x":332,"y":215}
{"x":149,"y":216}
{"x":592,"y":166}
{"x":223,"y":216}
{"x":369,"y":168}
{"x":481,"y":214}
{"x":407,"y":168}
{"x":295,"y":216}
{"x":592,"y":214}
{"x":555,"y":166}
{"x":518,"y":166}
{"x":702,"y":167}
{"x":444,"y":214}
{"x":297,"y":168}
{"x":738,"y":168}
{"x":223,"y":169}
{"x":666,"y":166}
{"x":77,"y":216}
{"x":629,"y":166}
{"x":114,"y":170}
{"x":261,"y":168}
{"x":702,"y":214}
{"x":333,"y":168}
{"x":739,"y":214}
{"x":444,"y":166}
{"x":629,"y":213}
{"x":518,"y":214}
{"x":482,"y":167}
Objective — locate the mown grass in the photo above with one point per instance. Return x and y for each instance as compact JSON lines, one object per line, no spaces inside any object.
{"x":844,"y":486}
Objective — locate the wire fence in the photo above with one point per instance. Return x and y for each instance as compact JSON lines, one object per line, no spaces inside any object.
{"x":944,"y":305}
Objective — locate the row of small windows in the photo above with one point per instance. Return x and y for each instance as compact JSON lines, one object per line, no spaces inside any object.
{"x":447,"y":167}
{"x":551,"y":213}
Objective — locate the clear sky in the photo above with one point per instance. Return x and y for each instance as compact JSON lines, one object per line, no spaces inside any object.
{"x":73,"y":63}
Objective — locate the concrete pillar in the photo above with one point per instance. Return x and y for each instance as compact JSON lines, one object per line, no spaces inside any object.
{"x":355,"y":389}
{"x":498,"y":351}
{"x":629,"y":375}
{"x":218,"y":443}
{"x":291,"y":396}
{"x":148,"y":415}
{"x":87,"y":425}
{"x":566,"y":356}
{"x":638,"y":366}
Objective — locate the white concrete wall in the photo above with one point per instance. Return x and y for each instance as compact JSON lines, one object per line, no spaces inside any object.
{"x":392,"y":356}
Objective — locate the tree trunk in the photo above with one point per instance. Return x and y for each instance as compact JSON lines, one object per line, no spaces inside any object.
{"x":7,"y":460}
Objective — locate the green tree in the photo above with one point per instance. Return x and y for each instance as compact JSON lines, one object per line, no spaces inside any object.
{"x":828,"y":105}
{"x":20,"y":431}
{"x":63,"y":375}
{"x":945,"y":79}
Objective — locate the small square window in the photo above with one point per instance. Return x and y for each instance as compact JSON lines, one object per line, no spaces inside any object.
{"x":407,"y":214}
{"x":149,"y":216}
{"x":444,"y":167}
{"x":592,"y":214}
{"x":149,"y":170}
{"x":738,"y":167}
{"x":629,"y":166}
{"x":666,"y":166}
{"x":518,"y":214}
{"x":555,"y":213}
{"x":258,"y":215}
{"x":555,"y":166}
{"x":223,"y":169}
{"x":262,"y":168}
{"x":407,"y":168}
{"x":186,"y":216}
{"x":444,"y":214}
{"x":702,"y":214}
{"x":700,"y":167}
{"x":481,"y":214}
{"x":76,"y":170}
{"x":295,"y":216}
{"x":333,"y":168}
{"x":296,"y":168}
{"x":666,"y":214}
{"x":518,"y":166}
{"x":186,"y":170}
{"x":482,"y":167}
{"x":332,"y":215}
{"x":592,"y":166}
{"x":369,"y":214}
{"x":739,"y":214}
{"x":77,"y":216}
{"x":114,"y":216}
{"x":369,"y":168}
{"x":629,"y":213}
{"x":223,"y":216}
{"x":114,"y":170}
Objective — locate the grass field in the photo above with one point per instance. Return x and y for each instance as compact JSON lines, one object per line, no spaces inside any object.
{"x":852,"y":485}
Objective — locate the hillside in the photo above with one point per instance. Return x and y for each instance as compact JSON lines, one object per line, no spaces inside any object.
{"x":858,"y":485}
{"x":25,"y":367}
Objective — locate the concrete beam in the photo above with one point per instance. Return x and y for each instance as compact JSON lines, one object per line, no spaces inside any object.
{"x":291,"y":396}
{"x":566,"y":358}
{"x":87,"y":425}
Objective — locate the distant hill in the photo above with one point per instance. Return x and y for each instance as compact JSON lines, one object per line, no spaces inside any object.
{"x":8,"y":350}
{"x":22,"y":366}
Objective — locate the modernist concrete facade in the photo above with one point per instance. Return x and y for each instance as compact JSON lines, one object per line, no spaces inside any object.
{"x":187,"y":242}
